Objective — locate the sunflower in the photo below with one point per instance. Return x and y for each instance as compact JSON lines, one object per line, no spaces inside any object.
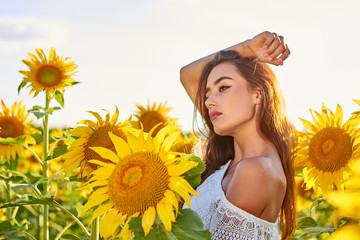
{"x":153,"y":115}
{"x":327,"y":150}
{"x":14,"y":123}
{"x":349,"y":231}
{"x":303,"y":195}
{"x":49,"y":75}
{"x":184,"y":143}
{"x":346,"y":203}
{"x":143,"y":178}
{"x":94,"y":134}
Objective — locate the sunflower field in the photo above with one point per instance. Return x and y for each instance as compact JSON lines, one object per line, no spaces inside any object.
{"x":106,"y":178}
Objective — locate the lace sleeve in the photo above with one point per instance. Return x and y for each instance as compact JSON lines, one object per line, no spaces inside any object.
{"x":229,"y":222}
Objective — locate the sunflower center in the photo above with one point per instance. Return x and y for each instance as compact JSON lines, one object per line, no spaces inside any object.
{"x":132,"y":176}
{"x":10,"y":127}
{"x":100,"y":138}
{"x":49,"y":75}
{"x":138,"y":182}
{"x":328,"y":145}
{"x":330,"y":149}
{"x":150,"y":119}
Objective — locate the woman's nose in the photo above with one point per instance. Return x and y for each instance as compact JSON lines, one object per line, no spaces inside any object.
{"x":209,"y":102}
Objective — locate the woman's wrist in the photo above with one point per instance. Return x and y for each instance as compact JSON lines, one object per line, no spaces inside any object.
{"x":243,"y":49}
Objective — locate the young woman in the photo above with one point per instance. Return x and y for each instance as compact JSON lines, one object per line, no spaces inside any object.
{"x":247,"y":189}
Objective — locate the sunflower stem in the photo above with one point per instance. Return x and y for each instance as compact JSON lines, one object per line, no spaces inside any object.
{"x":95,"y":229}
{"x":8,"y":198}
{"x":46,"y":168}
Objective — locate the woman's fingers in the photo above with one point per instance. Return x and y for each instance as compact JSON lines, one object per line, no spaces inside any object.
{"x":277,"y":51}
{"x":269,"y":38}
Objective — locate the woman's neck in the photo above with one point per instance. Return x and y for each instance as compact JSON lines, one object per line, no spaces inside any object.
{"x":248,"y":142}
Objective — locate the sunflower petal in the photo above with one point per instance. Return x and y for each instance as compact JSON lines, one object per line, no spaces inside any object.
{"x":122,"y":148}
{"x":169,"y":141}
{"x":106,"y":153}
{"x":148,"y":219}
{"x":101,"y":211}
{"x":170,"y":196}
{"x":115,"y":116}
{"x":165,"y":213}
{"x":96,"y":198}
{"x":181,"y":168}
{"x":98,"y":117}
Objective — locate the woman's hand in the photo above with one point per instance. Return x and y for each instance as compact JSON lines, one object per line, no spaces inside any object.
{"x":269,"y":47}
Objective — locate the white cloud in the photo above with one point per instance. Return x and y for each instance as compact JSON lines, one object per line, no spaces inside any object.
{"x":22,"y":33}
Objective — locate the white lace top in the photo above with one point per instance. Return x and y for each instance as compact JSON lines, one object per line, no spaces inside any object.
{"x":225,"y":220}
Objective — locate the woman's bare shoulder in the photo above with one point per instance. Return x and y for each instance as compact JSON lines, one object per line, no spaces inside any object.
{"x":253,"y":184}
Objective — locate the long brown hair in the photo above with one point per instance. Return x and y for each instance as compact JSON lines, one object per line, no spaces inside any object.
{"x":274,"y":126}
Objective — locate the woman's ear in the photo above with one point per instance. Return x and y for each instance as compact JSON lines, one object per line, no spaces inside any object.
{"x":257,"y":93}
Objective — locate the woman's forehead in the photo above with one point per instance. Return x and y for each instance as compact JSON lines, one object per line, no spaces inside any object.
{"x":225,"y":70}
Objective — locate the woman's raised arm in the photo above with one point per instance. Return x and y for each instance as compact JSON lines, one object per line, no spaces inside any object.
{"x":266,"y":47}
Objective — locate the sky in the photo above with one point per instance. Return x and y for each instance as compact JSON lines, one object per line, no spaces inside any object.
{"x":131,"y":52}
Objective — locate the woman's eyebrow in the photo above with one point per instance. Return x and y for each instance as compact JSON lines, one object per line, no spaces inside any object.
{"x":217,"y":81}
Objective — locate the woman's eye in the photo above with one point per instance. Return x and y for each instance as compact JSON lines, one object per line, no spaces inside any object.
{"x":222,"y":88}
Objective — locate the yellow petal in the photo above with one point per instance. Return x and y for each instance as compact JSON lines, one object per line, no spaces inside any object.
{"x":181,"y":168}
{"x":169,"y":141}
{"x":165,"y":213}
{"x":98,"y":117}
{"x":182,"y":187}
{"x":170,"y":196}
{"x":115,"y":116}
{"x":106,"y":153}
{"x":338,"y":116}
{"x":125,"y":231}
{"x":89,"y":123}
{"x":308,"y":125}
{"x":101,"y":211}
{"x":148,"y":219}
{"x":137,"y":144}
{"x":106,"y":227}
{"x":159,"y":138}
{"x":96,"y":198}
{"x":80,"y":131}
{"x":122,"y":148}
{"x":101,"y":173}
{"x":100,"y":163}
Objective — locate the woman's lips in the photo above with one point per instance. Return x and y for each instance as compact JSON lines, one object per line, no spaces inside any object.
{"x":214,"y":115}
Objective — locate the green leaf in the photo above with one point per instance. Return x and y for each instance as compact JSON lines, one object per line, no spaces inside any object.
{"x":59,"y":97}
{"x":31,"y":200}
{"x":58,"y":152}
{"x":313,"y":231}
{"x":11,"y":230}
{"x":39,"y":114}
{"x":309,"y":225}
{"x":188,"y":226}
{"x":19,"y":140}
{"x":194,"y":181}
{"x":199,"y":168}
{"x":306,"y":222}
{"x":21,"y":85}
{"x":70,"y":236}
{"x":193,"y":176}
{"x":75,"y":83}
{"x":51,"y":110}
{"x":12,"y":178}
{"x":16,"y":187}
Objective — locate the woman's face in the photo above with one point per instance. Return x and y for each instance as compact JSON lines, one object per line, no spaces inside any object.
{"x":230,"y":100}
